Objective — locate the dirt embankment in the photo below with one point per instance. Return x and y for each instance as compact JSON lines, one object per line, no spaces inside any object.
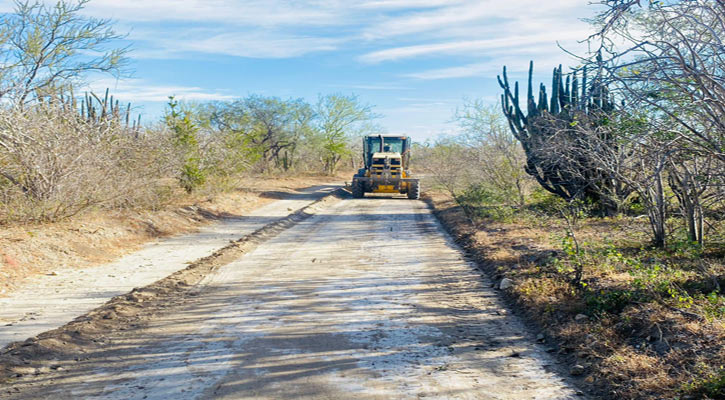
{"x":102,"y":236}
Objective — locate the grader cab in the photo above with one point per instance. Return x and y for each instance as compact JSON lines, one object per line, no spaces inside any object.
{"x":387,"y":159}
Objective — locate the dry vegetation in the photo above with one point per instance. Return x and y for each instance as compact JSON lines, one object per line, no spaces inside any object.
{"x":646,"y":322}
{"x":62,"y":154}
{"x":99,"y":236}
{"x":82,"y":182}
{"x":615,"y":241}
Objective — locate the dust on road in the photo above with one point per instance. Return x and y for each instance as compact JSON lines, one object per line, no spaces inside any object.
{"x":367,"y":299}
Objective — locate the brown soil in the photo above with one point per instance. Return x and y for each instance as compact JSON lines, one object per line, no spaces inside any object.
{"x":101,"y":236}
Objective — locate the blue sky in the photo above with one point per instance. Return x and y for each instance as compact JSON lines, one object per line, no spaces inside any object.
{"x":414,"y":60}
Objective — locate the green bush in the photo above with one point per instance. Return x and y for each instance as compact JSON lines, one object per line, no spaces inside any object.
{"x":481,"y":202}
{"x":545,"y":202}
{"x":184,"y":134}
{"x":478,"y":195}
{"x":610,"y":301}
{"x":712,"y":386}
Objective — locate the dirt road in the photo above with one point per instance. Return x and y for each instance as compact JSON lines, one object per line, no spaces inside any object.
{"x":367,"y":299}
{"x":48,"y":301}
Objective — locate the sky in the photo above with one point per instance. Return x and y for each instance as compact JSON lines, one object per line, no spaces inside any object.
{"x":415,"y":61}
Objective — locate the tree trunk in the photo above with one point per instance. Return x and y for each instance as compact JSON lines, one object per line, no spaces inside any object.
{"x":658,"y":212}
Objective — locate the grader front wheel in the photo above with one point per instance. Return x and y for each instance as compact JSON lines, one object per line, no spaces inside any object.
{"x":358,"y":191}
{"x":414,"y":190}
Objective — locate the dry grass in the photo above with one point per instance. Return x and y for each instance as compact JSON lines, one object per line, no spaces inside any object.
{"x":650,"y":332}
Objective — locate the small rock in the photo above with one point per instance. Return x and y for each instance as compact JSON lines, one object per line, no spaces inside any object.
{"x":52,"y":273}
{"x":540,"y":338}
{"x":289,"y":209}
{"x":502,"y":312}
{"x":577,"y":370}
{"x":580,"y":318}
{"x":506,"y":283}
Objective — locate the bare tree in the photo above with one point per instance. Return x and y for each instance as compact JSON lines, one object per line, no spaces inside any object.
{"x":442,"y":160}
{"x":672,"y":60}
{"x":46,"y":49}
{"x":495,"y":154}
{"x":668,"y":57}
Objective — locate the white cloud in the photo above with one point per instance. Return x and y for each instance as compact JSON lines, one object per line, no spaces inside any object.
{"x":392,"y":4}
{"x":373,"y":86}
{"x":543,"y":64}
{"x":236,"y":12}
{"x":475,"y":69}
{"x":139,"y":90}
{"x":467,"y":46}
{"x":247,"y":44}
{"x":285,"y":29}
{"x":475,"y":14}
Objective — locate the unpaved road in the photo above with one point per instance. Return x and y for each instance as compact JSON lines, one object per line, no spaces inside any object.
{"x":367,"y":299}
{"x":48,"y":301}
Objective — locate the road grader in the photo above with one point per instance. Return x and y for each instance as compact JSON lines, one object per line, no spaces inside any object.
{"x":387,"y":159}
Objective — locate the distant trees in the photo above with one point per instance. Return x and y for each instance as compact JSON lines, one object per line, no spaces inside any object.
{"x":290,"y":134}
{"x":60,"y":153}
{"x":338,"y":119}
{"x":481,"y":164}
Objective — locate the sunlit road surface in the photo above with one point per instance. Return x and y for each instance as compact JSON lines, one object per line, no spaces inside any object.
{"x":367,"y":299}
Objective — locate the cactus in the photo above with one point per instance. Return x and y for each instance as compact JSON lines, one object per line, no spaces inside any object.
{"x":96,"y":109}
{"x":569,"y":104}
{"x":92,"y":108}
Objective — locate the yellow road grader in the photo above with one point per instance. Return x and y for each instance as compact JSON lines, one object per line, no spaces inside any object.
{"x":387,"y":159}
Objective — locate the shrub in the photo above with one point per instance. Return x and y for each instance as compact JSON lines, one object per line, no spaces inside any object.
{"x":55,"y":163}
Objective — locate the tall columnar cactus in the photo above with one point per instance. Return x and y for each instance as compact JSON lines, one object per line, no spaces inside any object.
{"x":96,"y":109}
{"x":550,"y":120}
{"x":92,"y":108}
